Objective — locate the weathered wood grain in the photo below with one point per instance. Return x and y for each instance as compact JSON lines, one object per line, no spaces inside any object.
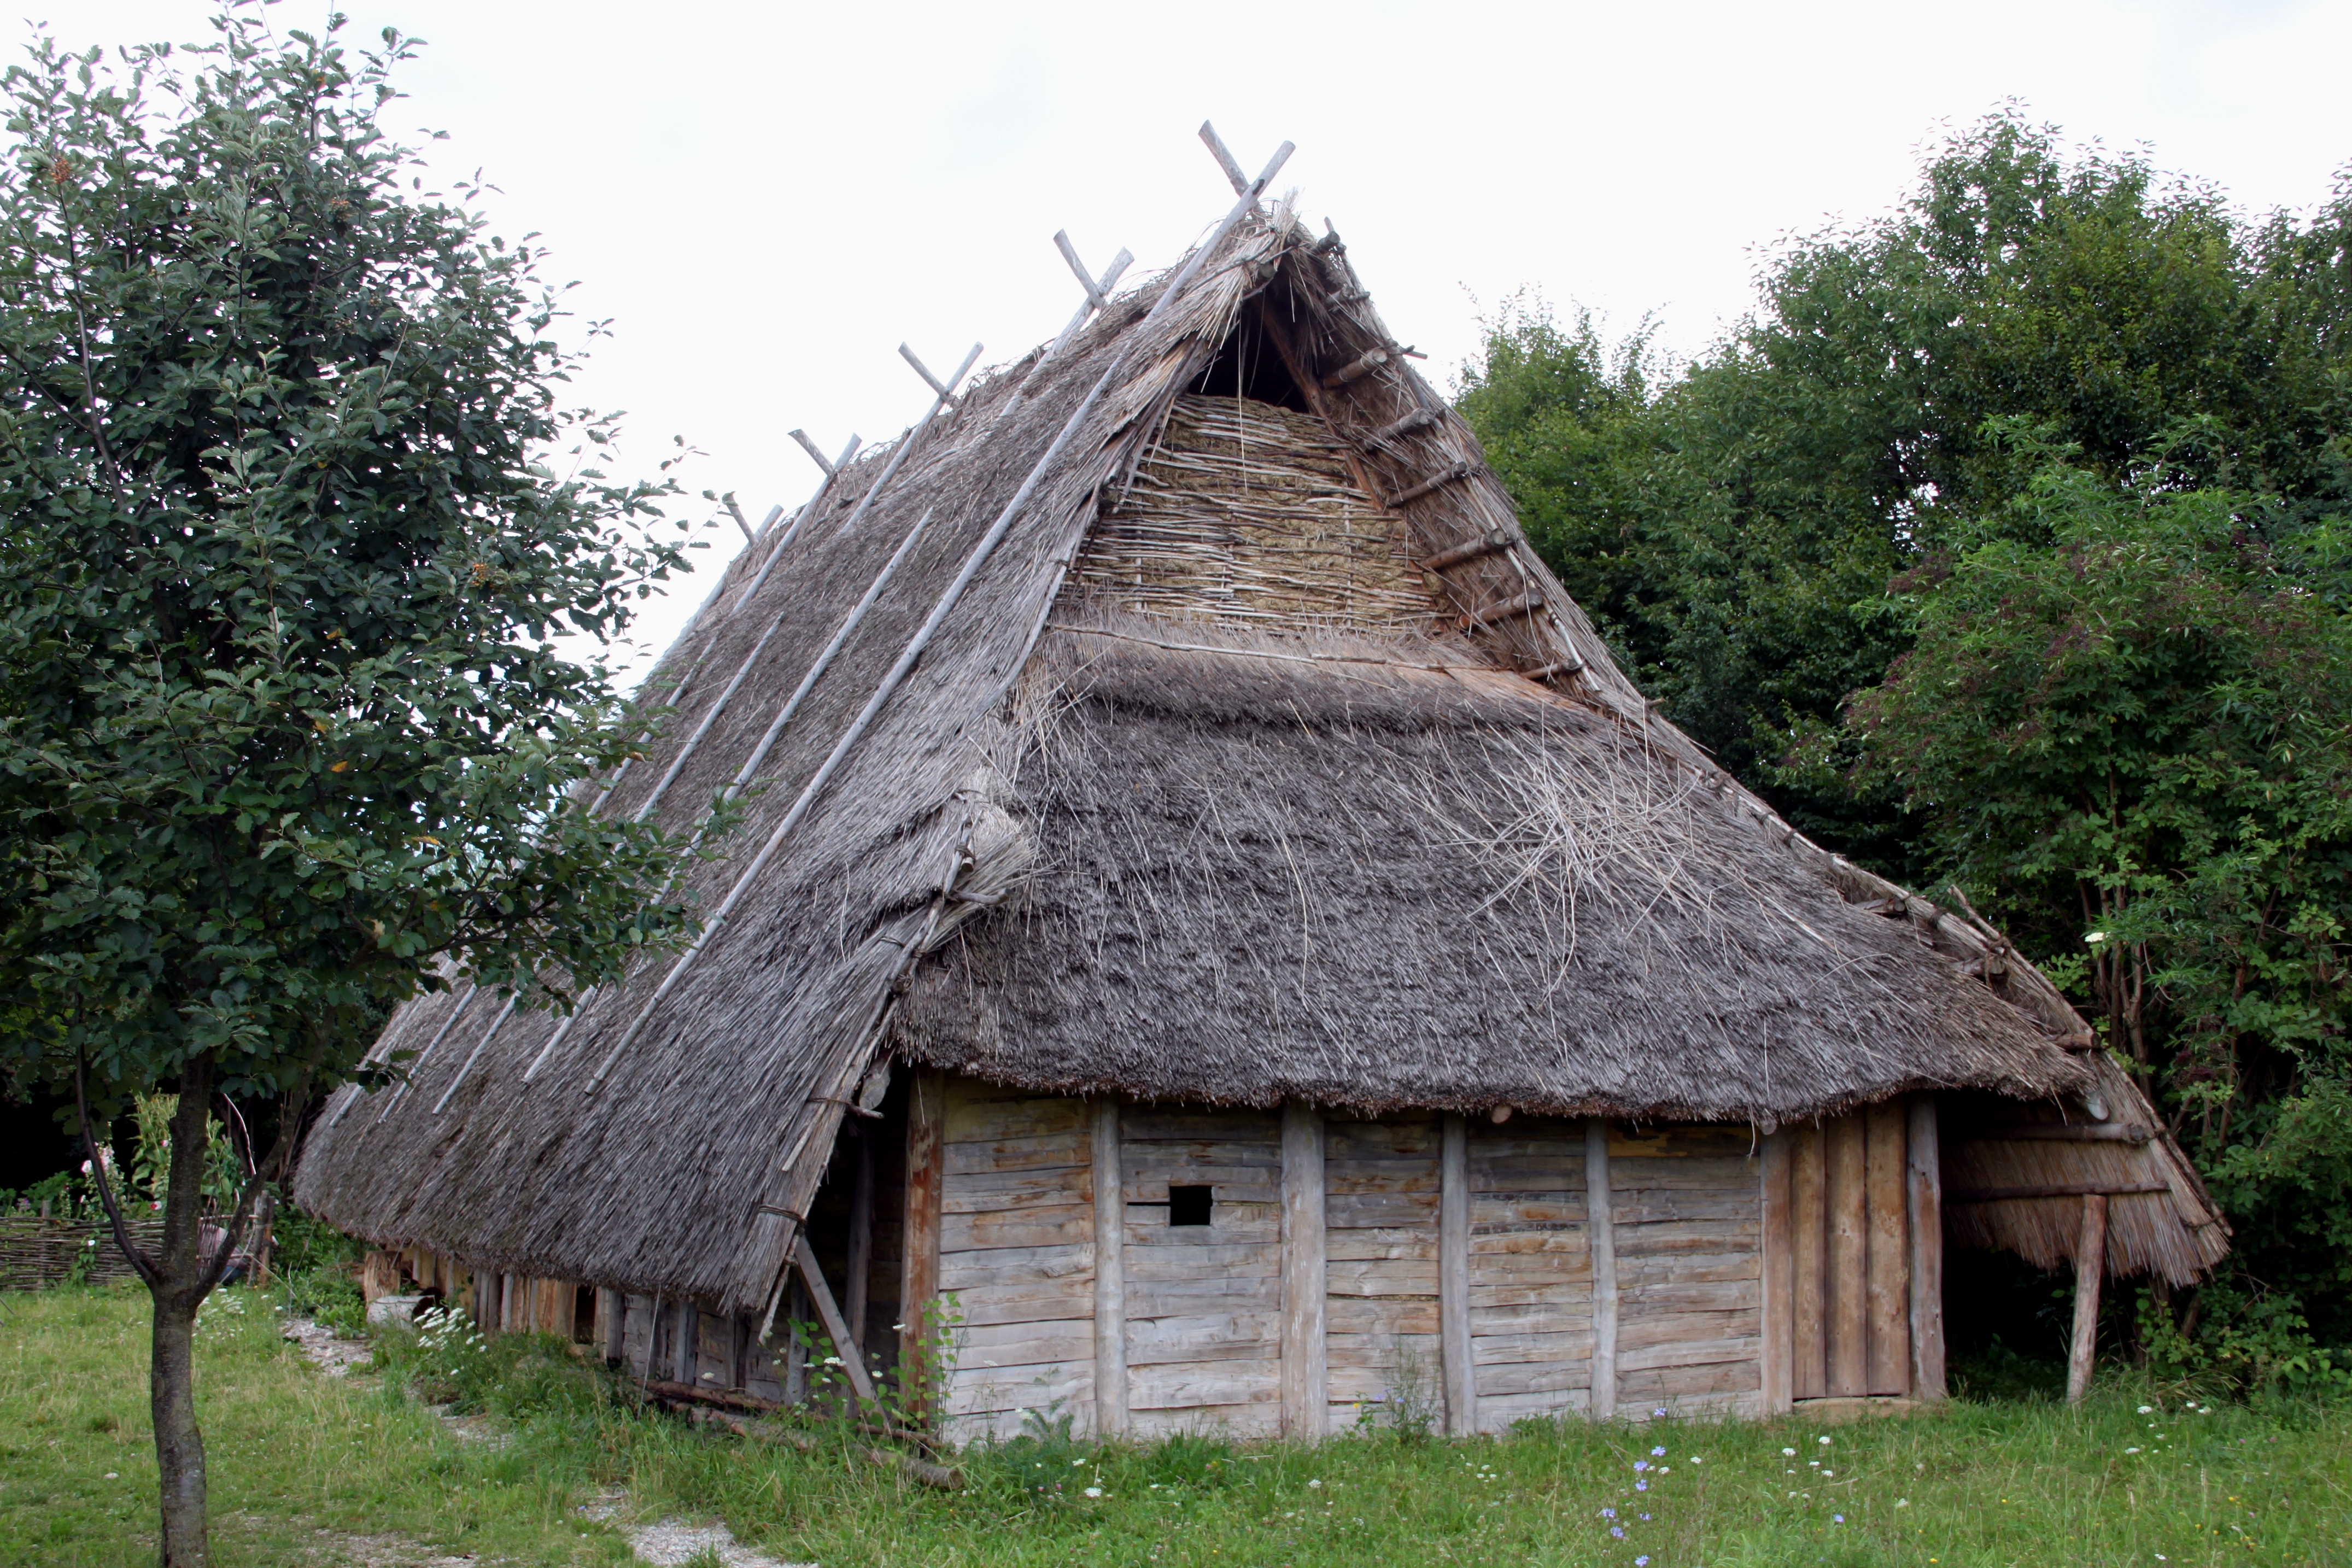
{"x":1923,"y":1191}
{"x":1808,"y":1253}
{"x":918,"y":1270}
{"x":1600,"y":1202}
{"x":1305,"y":1370}
{"x":1461,"y":1369}
{"x":1849,"y":1315}
{"x":1109,"y":1327}
{"x":1778,"y":1276}
{"x":1889,"y":1251}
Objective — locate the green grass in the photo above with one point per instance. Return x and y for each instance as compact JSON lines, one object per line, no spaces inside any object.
{"x":2000,"y":1482}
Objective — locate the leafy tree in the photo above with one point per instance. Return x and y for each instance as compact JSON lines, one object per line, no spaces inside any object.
{"x":283,"y":736}
{"x":2127,"y":716}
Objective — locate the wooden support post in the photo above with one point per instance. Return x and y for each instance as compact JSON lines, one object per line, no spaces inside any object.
{"x":1110,"y":1274}
{"x":861,"y":1243}
{"x":1924,"y":1191}
{"x":1849,"y":1249}
{"x":2090,"y":1268}
{"x":1306,"y":1379}
{"x":1809,"y":1220}
{"x":688,"y":1368}
{"x":1779,"y":1278}
{"x":830,"y":1315}
{"x":612,"y":1324}
{"x":1601,"y":1230}
{"x":1889,"y":1266}
{"x":919,"y":1278}
{"x":795,"y":1351}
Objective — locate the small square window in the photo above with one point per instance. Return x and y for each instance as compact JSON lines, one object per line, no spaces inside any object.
{"x":1188,"y":1205}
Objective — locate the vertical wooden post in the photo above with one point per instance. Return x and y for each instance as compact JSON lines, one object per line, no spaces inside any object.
{"x":2090,"y":1268}
{"x":1888,"y":1219}
{"x":1456,"y":1350}
{"x":1602,"y":1232}
{"x":1809,"y":1221}
{"x":1849,"y":1250}
{"x":689,"y":1343}
{"x":1306,"y":1379}
{"x":796,"y":1312}
{"x":612,"y":1324}
{"x":1110,"y":1273}
{"x":918,"y":1279}
{"x":1924,"y":1191}
{"x":1779,"y":1278}
{"x":857,"y":1288}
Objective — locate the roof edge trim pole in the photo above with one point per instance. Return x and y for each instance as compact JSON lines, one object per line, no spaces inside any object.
{"x":775,"y":728}
{"x":939,"y":613}
{"x":476,"y":1054}
{"x":1225,"y":160}
{"x":800,"y":519}
{"x":417,"y":1065}
{"x":1095,"y":296}
{"x":814,"y":456}
{"x":710,"y":716}
{"x":1098,"y":298}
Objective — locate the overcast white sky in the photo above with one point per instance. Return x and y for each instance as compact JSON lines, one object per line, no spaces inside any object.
{"x":767,"y":199}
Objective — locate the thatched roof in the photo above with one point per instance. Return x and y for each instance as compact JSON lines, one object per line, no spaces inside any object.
{"x":1203,"y":790}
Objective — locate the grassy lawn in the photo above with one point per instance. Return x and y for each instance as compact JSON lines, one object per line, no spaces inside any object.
{"x":295,"y":1454}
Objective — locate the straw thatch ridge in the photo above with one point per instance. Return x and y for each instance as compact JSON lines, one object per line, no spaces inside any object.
{"x":1578,"y":854}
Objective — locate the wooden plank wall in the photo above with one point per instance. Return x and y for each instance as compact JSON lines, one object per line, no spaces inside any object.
{"x":1688,"y":1203}
{"x":1204,"y":1303}
{"x":1531,"y":1270}
{"x":1379,"y":1184}
{"x":1016,"y":1252}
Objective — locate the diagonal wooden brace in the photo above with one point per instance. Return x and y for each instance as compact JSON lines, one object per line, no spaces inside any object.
{"x":845,"y":1344}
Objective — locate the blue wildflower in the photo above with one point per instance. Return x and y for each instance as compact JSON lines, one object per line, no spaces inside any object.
{"x":1641,"y":1485}
{"x":1609,"y":1513}
{"x":1641,"y":1562}
{"x":1657,"y":1453}
{"x":1618,"y":1530}
{"x":1837,"y":1519}
{"x":1641,"y":1465}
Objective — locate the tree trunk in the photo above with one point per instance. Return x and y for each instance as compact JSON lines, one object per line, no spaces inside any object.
{"x":179,"y":1288}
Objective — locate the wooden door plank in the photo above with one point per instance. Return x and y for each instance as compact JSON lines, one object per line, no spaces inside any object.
{"x":1886,"y":1211}
{"x":1849,"y":1315}
{"x":1808,"y":1373}
{"x":1924,"y":1193}
{"x":1779,"y":1277}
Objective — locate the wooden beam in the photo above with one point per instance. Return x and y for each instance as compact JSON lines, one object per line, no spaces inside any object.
{"x":1459,"y":1367}
{"x":1517,"y":605}
{"x":830,"y":1315}
{"x":2062,"y":1132}
{"x":1306,"y":1379}
{"x":1453,"y":473}
{"x":687,"y":1365}
{"x":1808,"y":1224}
{"x":2090,"y":1268}
{"x":2052,"y":1190}
{"x":1849,"y":1249}
{"x":612,"y":1323}
{"x":1601,"y":1236}
{"x":919,"y":1277}
{"x":857,"y":1288}
{"x":1110,"y":1273}
{"x":1924,"y":1193}
{"x":1493,"y":543}
{"x":1779,"y":1278}
{"x":1363,"y":365}
{"x":1887,"y":1214}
